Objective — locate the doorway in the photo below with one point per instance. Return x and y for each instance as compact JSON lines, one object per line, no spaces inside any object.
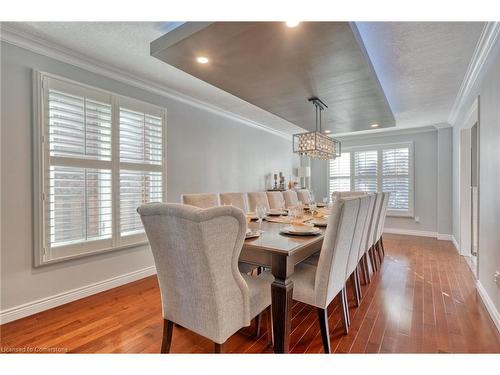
{"x":469,"y":189}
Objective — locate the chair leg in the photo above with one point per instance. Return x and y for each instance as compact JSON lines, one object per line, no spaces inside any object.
{"x":355,"y":290}
{"x":323,"y":324}
{"x":168,"y":329}
{"x":345,"y":310}
{"x":218,"y":348}
{"x":382,"y":246}
{"x":358,"y":284}
{"x":258,"y":320}
{"x":366,"y":268}
{"x":372,"y":259}
{"x":379,"y":254}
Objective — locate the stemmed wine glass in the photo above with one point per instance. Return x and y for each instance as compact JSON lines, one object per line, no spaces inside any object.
{"x":311,"y":195}
{"x":260,"y":212}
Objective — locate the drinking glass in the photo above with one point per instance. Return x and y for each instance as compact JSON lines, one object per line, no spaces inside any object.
{"x":311,"y":194}
{"x":260,"y":212}
{"x":325,"y":200}
{"x":312,"y":208}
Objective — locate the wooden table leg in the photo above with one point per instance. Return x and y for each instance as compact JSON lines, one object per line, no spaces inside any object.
{"x":281,"y":296}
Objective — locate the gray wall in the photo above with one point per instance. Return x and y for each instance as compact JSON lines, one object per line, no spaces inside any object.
{"x":205,"y":152}
{"x":427,"y":160}
{"x":488,"y":89}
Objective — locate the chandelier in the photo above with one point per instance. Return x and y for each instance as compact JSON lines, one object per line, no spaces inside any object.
{"x":316,"y":144}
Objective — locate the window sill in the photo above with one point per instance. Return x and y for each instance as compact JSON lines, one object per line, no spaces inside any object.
{"x":407,"y":215}
{"x":43,"y":263}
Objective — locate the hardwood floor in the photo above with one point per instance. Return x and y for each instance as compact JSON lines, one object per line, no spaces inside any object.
{"x":423,"y":300}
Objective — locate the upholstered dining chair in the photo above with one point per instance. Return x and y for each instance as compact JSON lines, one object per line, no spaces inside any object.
{"x":276,"y":200}
{"x":365,"y":241}
{"x":234,"y":199}
{"x":291,"y":199}
{"x":258,"y":198}
{"x":201,"y":200}
{"x":304,"y":196}
{"x":319,"y":285}
{"x":379,"y":243}
{"x":357,"y":239}
{"x":345,"y":194}
{"x":373,"y":232}
{"x":196,"y":255}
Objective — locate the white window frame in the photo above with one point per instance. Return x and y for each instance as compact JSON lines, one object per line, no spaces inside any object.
{"x":43,"y":254}
{"x":379,"y":148}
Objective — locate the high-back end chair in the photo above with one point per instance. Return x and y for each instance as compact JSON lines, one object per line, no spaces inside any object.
{"x":196,"y":255}
{"x":318,"y":285}
{"x":304,"y":196}
{"x":201,"y":200}
{"x":258,"y":198}
{"x":359,"y":230}
{"x":234,"y":199}
{"x":380,"y":227}
{"x":276,"y":200}
{"x":291,"y":199}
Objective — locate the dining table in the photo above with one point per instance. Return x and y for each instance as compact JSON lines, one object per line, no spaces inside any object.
{"x":280,"y":252}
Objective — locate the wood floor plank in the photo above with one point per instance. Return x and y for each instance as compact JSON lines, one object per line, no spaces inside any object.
{"x":423,"y":299}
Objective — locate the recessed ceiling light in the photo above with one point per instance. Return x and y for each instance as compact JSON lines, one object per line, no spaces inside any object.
{"x":374,"y":125}
{"x":202,"y":60}
{"x":328,"y":131}
{"x":292,"y":23}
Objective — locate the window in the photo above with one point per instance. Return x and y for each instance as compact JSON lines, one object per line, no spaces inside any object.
{"x":340,"y":173}
{"x":386,"y":168}
{"x":100,"y":156}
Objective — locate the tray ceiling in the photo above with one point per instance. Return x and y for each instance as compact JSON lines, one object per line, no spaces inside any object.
{"x":278,"y":68}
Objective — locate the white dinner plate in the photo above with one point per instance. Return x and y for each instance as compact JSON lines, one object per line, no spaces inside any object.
{"x":253,"y":234}
{"x":319,"y":222}
{"x":312,"y":231}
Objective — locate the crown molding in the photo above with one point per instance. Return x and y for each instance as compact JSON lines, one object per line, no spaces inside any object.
{"x":483,"y":48}
{"x":386,"y":132}
{"x":57,"y":52}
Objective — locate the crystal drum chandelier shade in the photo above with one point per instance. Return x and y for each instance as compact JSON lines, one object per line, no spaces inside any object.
{"x":316,"y":144}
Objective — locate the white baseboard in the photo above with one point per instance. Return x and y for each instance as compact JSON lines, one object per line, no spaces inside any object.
{"x":456,"y":244}
{"x":444,"y":237}
{"x":410,"y":232}
{"x":34,"y":307}
{"x":421,"y":233}
{"x":490,"y":306}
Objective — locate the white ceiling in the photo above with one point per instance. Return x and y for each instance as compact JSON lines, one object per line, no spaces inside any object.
{"x":420,"y":65}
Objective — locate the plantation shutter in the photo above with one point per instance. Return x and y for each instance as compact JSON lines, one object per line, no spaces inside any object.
{"x":395,"y":177}
{"x":77,"y":188}
{"x":141,"y":165}
{"x":365,"y":165}
{"x":340,"y":173}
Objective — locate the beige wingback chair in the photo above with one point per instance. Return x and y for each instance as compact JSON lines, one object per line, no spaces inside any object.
{"x":276,"y":200}
{"x":304,"y":196}
{"x":258,"y":198}
{"x":234,"y":199}
{"x":196,"y":255}
{"x":201,"y":200}
{"x":318,"y":285}
{"x":291,"y":199}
